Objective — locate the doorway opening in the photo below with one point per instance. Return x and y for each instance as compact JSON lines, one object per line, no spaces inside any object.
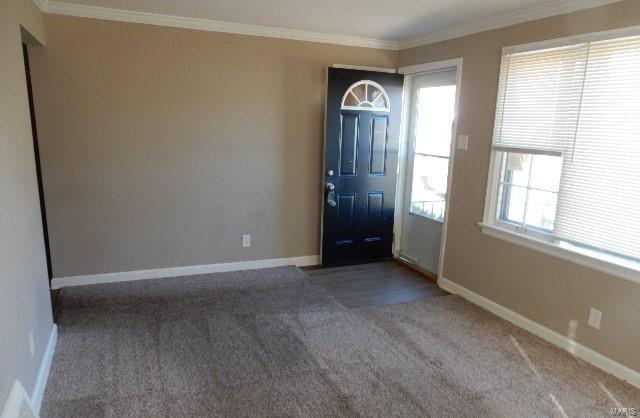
{"x":36,"y":152}
{"x":430,"y":114}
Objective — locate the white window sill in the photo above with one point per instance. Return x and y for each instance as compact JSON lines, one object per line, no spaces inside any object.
{"x":625,"y":269}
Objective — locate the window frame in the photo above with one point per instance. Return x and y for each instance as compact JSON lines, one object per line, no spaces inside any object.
{"x":534,"y":238}
{"x":494,"y":197}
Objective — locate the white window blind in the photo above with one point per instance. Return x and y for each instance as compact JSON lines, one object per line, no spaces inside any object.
{"x":582,"y":101}
{"x":599,"y":203}
{"x":539,"y":99}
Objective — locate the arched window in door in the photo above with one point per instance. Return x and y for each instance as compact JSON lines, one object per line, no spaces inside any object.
{"x":366,"y":95}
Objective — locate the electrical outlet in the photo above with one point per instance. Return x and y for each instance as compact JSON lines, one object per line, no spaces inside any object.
{"x":595,"y":316}
{"x":463,"y":142}
{"x":246,"y":240}
{"x":32,"y":344}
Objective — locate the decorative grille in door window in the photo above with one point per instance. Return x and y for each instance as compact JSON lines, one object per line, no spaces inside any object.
{"x":366,"y":95}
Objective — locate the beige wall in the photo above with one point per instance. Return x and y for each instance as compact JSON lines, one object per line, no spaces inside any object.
{"x":543,"y":288}
{"x":162,"y":146}
{"x":24,"y":296}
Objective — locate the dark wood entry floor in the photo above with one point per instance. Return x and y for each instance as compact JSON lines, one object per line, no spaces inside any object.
{"x":372,"y":284}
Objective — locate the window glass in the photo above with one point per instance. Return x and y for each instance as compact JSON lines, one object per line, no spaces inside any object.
{"x":373,"y":93}
{"x":517,"y":168}
{"x":432,"y":134}
{"x":541,"y":209}
{"x":529,"y":189}
{"x":351,"y":100}
{"x":545,"y":172}
{"x":358,"y":92}
{"x":514,"y":199}
{"x":434,"y":120}
{"x":429,"y":186}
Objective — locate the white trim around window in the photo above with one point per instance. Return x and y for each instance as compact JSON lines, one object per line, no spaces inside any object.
{"x":592,"y":259}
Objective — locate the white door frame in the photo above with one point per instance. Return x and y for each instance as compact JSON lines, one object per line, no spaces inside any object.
{"x":410,"y":72}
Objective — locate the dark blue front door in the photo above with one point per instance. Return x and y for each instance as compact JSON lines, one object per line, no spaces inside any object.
{"x":361,"y":160}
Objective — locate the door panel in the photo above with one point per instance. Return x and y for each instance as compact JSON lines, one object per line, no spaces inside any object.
{"x":432,"y":107}
{"x":375,"y":216}
{"x":361,"y":148}
{"x":349,"y":144}
{"x":378,"y":158}
{"x":346,"y":219}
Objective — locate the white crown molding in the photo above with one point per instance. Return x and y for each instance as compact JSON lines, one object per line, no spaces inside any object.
{"x":120,"y":15}
{"x":501,"y":21}
{"x":496,"y":22}
{"x":590,"y":356}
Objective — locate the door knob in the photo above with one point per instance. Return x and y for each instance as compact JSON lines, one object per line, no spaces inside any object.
{"x":331,"y":194}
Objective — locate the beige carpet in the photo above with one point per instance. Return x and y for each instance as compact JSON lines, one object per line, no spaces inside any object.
{"x":271,"y":343}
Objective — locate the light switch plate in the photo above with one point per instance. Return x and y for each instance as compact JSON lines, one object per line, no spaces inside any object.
{"x":463,"y":142}
{"x":595,"y":316}
{"x":246,"y":240}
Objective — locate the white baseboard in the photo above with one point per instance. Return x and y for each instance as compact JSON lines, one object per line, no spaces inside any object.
{"x":610,"y":366}
{"x":125,"y":276}
{"x":18,"y":403}
{"x":43,"y":371}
